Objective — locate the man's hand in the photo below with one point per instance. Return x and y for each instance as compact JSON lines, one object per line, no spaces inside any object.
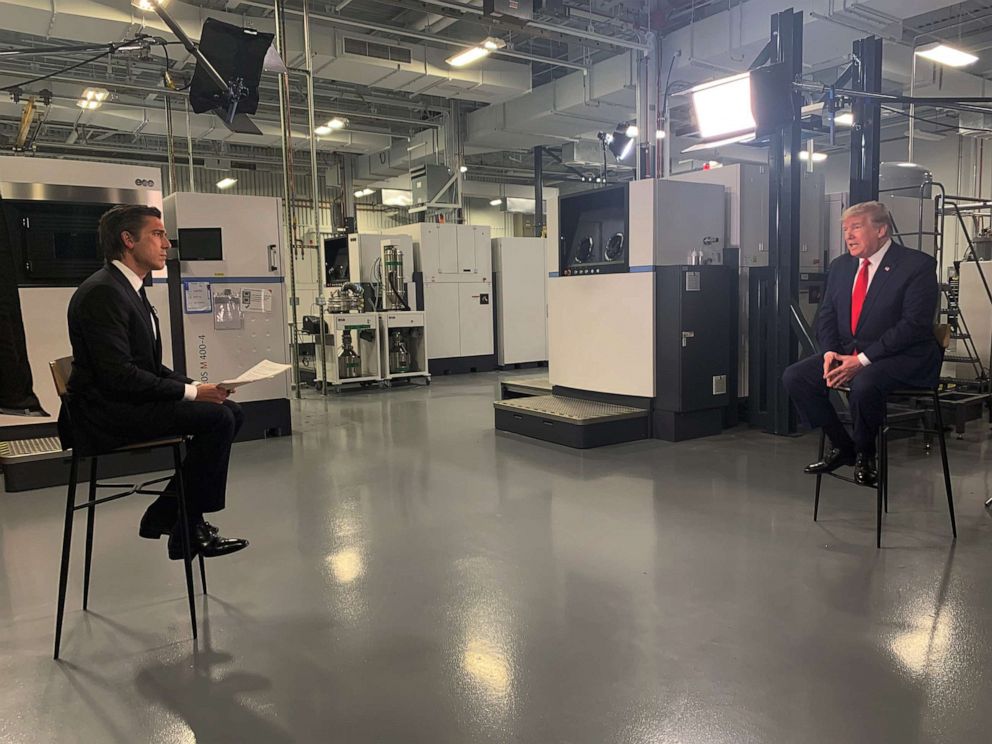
{"x":842,"y":373}
{"x":209,"y":393}
{"x":829,"y":359}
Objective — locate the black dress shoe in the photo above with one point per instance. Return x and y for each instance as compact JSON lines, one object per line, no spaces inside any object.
{"x":204,"y":542}
{"x":865,"y":472}
{"x":834,"y":459}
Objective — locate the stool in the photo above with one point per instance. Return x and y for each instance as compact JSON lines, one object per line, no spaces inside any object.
{"x":60,"y":373}
{"x":882,"y":453}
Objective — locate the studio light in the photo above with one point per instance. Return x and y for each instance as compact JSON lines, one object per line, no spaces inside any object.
{"x":845,"y":119}
{"x":226,"y":183}
{"x":947,"y":55}
{"x":723,"y":107}
{"x":632,"y":131}
{"x":620,"y":143}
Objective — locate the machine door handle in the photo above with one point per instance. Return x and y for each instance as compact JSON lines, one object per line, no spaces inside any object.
{"x":273,"y":265}
{"x":686,"y":335}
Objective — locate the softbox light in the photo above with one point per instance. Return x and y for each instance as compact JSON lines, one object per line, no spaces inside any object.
{"x":238,"y":55}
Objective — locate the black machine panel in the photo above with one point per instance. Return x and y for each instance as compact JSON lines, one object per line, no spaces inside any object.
{"x":336,"y":260}
{"x":200,"y":244}
{"x":55,"y":244}
{"x":594,"y":232}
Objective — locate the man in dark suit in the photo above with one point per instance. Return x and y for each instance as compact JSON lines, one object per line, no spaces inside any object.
{"x":119,"y":391}
{"x":875,"y":329}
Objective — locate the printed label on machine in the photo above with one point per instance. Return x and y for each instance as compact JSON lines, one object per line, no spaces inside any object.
{"x":256,"y":300}
{"x":196,"y":297}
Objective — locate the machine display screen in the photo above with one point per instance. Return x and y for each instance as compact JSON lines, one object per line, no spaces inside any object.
{"x":336,"y":259}
{"x":200,"y":244}
{"x":594,"y":232}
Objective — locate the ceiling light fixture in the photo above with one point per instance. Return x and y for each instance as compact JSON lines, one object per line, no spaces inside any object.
{"x":495,"y":202}
{"x":947,"y":55}
{"x":226,"y":183}
{"x":322,"y":131}
{"x":660,"y":134}
{"x":148,"y":6}
{"x":818,"y":157}
{"x":474,"y":54}
{"x":93,"y":98}
{"x":463,"y":169}
{"x":337,"y":123}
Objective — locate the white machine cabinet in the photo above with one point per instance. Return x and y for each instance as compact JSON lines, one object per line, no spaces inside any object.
{"x":520,"y":279}
{"x":403,"y":346}
{"x":232,"y":302}
{"x":353,"y":346}
{"x":455,"y":262}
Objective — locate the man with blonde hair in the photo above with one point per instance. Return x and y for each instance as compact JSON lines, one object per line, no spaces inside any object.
{"x":875,"y":331}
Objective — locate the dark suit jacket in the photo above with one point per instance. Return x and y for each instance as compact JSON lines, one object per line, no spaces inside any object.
{"x":117,"y":361}
{"x":896,"y":320}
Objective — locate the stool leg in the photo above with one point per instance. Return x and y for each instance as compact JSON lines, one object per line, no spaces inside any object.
{"x":883,"y":467}
{"x":879,"y":485}
{"x":819,"y":477}
{"x":70,"y":502}
{"x":943,"y":461}
{"x":184,"y":534}
{"x":203,"y":575}
{"x":90,"y":516}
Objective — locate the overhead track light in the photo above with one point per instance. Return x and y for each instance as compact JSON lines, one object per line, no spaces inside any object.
{"x":93,"y":98}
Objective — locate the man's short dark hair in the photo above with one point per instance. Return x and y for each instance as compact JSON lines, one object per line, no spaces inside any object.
{"x":122,"y":218}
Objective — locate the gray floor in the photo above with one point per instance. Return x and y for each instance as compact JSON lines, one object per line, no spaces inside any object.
{"x":415,"y":577}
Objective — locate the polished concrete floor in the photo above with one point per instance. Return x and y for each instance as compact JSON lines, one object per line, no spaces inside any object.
{"x":416,"y":577}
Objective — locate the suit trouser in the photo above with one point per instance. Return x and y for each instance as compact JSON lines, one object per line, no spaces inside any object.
{"x":211,"y":428}
{"x":808,"y":390}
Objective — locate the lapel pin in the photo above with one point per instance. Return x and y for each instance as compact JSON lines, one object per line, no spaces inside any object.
{"x":887,"y":268}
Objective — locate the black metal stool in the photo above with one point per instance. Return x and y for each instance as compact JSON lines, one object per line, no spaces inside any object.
{"x":882,"y":453}
{"x":60,"y":373}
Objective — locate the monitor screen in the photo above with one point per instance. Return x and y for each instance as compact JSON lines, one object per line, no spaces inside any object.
{"x":200,"y":244}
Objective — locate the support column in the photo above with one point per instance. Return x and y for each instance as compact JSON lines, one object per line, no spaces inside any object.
{"x":539,"y":191}
{"x":866,"y":132}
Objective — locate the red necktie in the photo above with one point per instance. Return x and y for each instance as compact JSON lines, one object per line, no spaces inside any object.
{"x":858,"y":296}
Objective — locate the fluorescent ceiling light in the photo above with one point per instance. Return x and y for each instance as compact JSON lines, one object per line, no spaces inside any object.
{"x":818,"y":157}
{"x":148,"y":5}
{"x":493,"y":43}
{"x":723,"y":107}
{"x":468,"y":56}
{"x":337,"y":123}
{"x":740,"y":138}
{"x":845,"y":119}
{"x":632,"y":131}
{"x":947,"y":55}
{"x":364,"y":192}
{"x":495,"y":202}
{"x":322,"y":130}
{"x":463,"y":169}
{"x":93,"y":98}
{"x":226,"y":183}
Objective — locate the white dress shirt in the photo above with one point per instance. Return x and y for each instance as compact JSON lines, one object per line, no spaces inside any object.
{"x":136,"y":282}
{"x":874,"y":261}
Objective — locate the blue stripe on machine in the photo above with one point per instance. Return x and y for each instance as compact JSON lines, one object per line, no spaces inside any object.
{"x":641,"y":269}
{"x":553,"y":274}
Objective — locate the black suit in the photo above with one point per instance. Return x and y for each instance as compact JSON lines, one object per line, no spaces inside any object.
{"x":895,"y":332}
{"x":120,"y":392}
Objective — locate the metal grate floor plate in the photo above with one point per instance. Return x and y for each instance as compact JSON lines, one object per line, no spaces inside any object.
{"x":570,"y":410}
{"x":30,"y":449}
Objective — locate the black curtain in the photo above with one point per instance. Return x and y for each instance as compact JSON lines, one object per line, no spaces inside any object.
{"x":16,"y":386}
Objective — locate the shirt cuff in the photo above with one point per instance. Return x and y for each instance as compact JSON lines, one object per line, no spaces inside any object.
{"x":190,"y":393}
{"x":865,"y":361}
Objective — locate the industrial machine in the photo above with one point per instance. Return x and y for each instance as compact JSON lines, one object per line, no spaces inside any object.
{"x":520,"y":281}
{"x":403,"y":346}
{"x":228,"y":302}
{"x":639,"y":314}
{"x":51,"y":210}
{"x":353,"y":342}
{"x":381,"y":264}
{"x":454,"y":264}
{"x":747,"y":195}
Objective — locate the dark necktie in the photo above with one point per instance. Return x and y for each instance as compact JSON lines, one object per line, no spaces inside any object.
{"x":150,"y":310}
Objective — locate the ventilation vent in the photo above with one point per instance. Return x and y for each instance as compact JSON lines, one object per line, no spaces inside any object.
{"x":362,"y":48}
